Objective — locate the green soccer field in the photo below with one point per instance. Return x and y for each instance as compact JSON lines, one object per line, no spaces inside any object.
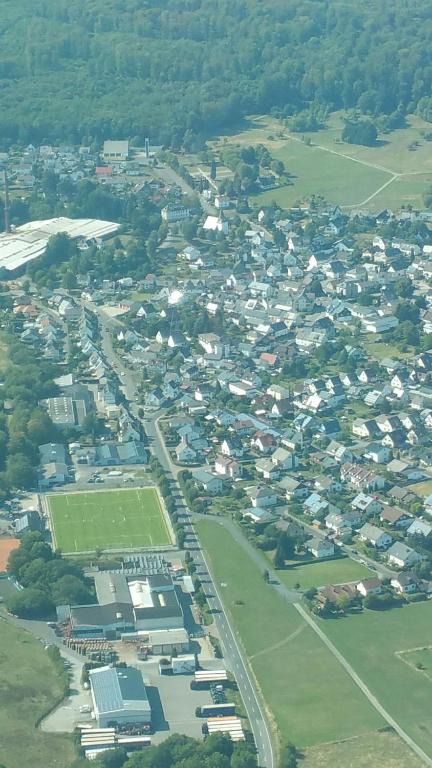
{"x":108,"y":520}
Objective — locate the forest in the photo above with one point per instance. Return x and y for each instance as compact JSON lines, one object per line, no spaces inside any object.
{"x":178,"y":71}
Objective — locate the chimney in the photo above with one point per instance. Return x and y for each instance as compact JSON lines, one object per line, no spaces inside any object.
{"x":6,"y":203}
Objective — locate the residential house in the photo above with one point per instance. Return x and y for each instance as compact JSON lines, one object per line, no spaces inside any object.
{"x":361,"y":477}
{"x":262,"y":496}
{"x":320,"y":547}
{"x":184,"y":452}
{"x":228,"y":467}
{"x":367,"y":505}
{"x":364,"y":428}
{"x":395,"y":517}
{"x":233,"y":447}
{"x":284,"y":459}
{"x":378,"y":453}
{"x":405,"y":583}
{"x":209,"y":482}
{"x":267,"y":469}
{"x":370,"y":586}
{"x":293,"y":488}
{"x":403,"y":556}
{"x":375,"y":536}
{"x":419,"y":528}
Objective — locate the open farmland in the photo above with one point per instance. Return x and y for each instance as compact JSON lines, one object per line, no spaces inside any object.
{"x":310,"y":697}
{"x":383,"y":749}
{"x":395,"y":172}
{"x":108,"y":520}
{"x":29,"y":687}
{"x":382,"y":648}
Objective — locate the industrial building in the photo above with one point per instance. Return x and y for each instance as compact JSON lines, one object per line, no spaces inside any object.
{"x":115,"y":151}
{"x":27,"y":242}
{"x":127,"y":605}
{"x":119,"y":696}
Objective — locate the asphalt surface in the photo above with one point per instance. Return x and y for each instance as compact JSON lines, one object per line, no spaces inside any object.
{"x":232,"y":653}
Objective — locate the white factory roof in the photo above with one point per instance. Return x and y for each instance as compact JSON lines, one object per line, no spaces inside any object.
{"x":29,"y":241}
{"x":140,"y":593}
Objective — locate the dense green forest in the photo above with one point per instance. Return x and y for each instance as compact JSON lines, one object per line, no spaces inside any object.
{"x":177,"y":70}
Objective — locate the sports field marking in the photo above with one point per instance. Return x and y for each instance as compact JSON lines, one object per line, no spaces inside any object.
{"x":117,"y":519}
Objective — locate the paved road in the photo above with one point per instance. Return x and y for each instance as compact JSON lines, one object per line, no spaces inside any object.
{"x":292,"y":597}
{"x":363,"y":687}
{"x":232,"y":652}
{"x":380,"y":568}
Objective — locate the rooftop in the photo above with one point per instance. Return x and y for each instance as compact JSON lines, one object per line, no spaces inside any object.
{"x":30,"y":240}
{"x":116,"y":690}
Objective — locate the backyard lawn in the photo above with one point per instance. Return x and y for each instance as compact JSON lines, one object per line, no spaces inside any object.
{"x":29,"y":686}
{"x":322,"y":574}
{"x":310,"y":697}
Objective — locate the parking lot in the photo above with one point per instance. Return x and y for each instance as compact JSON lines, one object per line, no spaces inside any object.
{"x":173,"y":703}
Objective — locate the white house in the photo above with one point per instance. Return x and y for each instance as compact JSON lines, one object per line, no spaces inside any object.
{"x":320,"y":547}
{"x":261,"y":496}
{"x":367,"y":505}
{"x":370,"y":586}
{"x":209,"y":482}
{"x":402,"y":556}
{"x":284,"y":459}
{"x":379,"y":538}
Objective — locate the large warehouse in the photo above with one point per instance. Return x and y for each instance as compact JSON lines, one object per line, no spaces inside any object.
{"x":119,"y":696}
{"x":128,"y":605}
{"x":29,"y":241}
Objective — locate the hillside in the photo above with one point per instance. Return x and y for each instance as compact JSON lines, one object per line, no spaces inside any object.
{"x":74,"y":70}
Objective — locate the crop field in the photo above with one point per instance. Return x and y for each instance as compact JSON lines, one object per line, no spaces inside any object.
{"x":395,"y":172}
{"x":309,"y":696}
{"x":29,"y":687}
{"x":325,"y":573}
{"x":108,"y":520}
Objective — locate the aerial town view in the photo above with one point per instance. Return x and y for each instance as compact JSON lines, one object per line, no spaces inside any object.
{"x":215,"y":384}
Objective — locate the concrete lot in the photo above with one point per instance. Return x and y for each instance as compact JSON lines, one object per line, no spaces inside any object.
{"x":173,"y":703}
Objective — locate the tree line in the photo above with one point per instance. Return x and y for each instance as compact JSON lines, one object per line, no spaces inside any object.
{"x":47,"y":579}
{"x":178,"y":71}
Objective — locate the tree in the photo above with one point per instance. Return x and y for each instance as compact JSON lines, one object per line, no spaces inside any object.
{"x":279,"y":555}
{"x":69,"y":281}
{"x":112,"y":758}
{"x":360,"y":131}
{"x":288,"y":757}
{"x":31,"y":603}
{"x":70,"y":590}
{"x":91,"y":425}
{"x":213,"y":169}
{"x":19,"y":472}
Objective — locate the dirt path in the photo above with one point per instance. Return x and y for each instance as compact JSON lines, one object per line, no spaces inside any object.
{"x":363,"y":687}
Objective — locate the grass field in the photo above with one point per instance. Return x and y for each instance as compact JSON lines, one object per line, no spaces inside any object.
{"x":322,"y":574}
{"x":375,"y":750}
{"x":347,"y":174}
{"x":420,"y":660}
{"x":310,"y":697}
{"x":120,"y":519}
{"x":376,"y":645}
{"x":29,"y":686}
